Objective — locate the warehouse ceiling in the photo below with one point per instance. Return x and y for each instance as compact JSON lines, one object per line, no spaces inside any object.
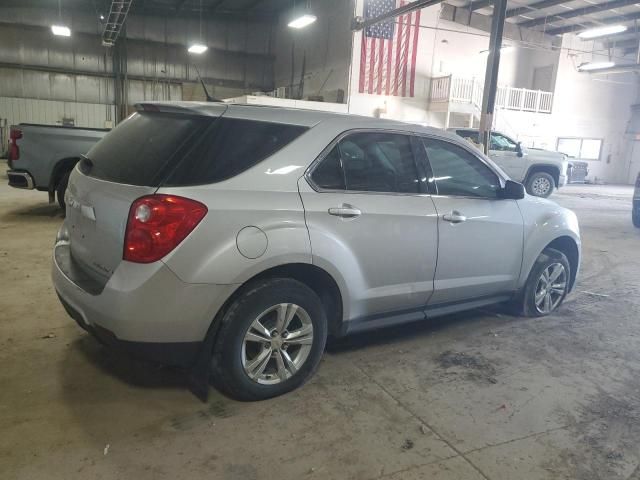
{"x":556,"y":17}
{"x":170,"y":7}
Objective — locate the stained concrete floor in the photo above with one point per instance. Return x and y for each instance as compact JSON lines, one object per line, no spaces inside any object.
{"x":477,"y":396}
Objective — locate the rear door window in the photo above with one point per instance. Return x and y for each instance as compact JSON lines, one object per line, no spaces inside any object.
{"x":369,"y":162}
{"x":140,"y":149}
{"x":229,"y":147}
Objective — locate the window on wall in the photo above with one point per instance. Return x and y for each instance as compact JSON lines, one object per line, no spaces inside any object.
{"x":582,"y":148}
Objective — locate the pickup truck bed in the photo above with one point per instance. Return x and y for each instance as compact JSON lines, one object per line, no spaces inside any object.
{"x":41,"y":156}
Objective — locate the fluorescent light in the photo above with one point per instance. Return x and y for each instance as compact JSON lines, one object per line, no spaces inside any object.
{"x":590,"y":66}
{"x":101,"y":17}
{"x":602,"y":31}
{"x":197,"y":48}
{"x":61,"y":30}
{"x":503,"y":49}
{"x":303,"y":21}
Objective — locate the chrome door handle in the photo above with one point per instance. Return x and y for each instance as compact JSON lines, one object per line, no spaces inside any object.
{"x":345,"y":211}
{"x":454,"y":217}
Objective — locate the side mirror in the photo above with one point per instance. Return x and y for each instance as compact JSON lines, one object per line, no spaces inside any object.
{"x":512,"y":190}
{"x":519,"y":150}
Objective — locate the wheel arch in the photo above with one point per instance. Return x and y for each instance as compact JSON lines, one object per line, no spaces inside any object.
{"x":314,"y":277}
{"x":569,"y":247}
{"x":552,"y":170}
{"x":61,"y":167}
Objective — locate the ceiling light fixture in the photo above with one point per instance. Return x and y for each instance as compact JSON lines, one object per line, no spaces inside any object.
{"x":60,"y":29}
{"x":503,"y":49}
{"x":302,"y":21}
{"x":197,"y":48}
{"x":591,"y":66}
{"x":601,"y":31}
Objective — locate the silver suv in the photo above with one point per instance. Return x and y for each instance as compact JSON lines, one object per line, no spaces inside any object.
{"x":234,"y":239}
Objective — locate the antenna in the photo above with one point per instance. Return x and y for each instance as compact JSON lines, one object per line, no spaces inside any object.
{"x":204,"y":87}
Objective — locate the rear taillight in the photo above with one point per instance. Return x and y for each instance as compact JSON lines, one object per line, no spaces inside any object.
{"x":157,"y":224}
{"x":15,"y":134}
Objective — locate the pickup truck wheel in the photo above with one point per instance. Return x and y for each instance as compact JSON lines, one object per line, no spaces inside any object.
{"x":270,"y":340}
{"x":540,"y":184}
{"x":547,"y":285}
{"x":61,"y":188}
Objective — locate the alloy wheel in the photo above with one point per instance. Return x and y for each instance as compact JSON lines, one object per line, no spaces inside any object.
{"x":541,"y":186}
{"x":550,"y":288}
{"x":277,"y":344}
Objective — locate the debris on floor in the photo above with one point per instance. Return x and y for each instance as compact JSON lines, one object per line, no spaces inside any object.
{"x":408,"y":444}
{"x":106,"y":449}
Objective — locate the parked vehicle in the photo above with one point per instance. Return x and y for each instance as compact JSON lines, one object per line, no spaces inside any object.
{"x":541,"y":171}
{"x":635,"y":214}
{"x":577,"y":171}
{"x":42,"y":156}
{"x":245,"y":235}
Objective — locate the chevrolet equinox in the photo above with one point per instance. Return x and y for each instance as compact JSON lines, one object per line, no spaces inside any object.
{"x":246,"y":235}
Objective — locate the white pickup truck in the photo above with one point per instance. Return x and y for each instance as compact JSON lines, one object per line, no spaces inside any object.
{"x":42,"y":156}
{"x":541,"y":171}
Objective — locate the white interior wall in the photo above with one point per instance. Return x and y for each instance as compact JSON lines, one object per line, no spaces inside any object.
{"x":587,"y":106}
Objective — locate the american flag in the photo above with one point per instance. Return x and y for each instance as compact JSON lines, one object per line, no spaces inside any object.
{"x":389,"y":49}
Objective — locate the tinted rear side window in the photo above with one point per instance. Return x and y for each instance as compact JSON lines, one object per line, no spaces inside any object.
{"x":231,"y":146}
{"x":139,"y":150}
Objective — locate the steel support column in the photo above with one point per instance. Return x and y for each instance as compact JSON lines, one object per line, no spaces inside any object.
{"x":491,"y":75}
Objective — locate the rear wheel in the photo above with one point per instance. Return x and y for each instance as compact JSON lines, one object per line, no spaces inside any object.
{"x":547,"y":285}
{"x":270,"y":340}
{"x":540,"y":184}
{"x":61,"y":189}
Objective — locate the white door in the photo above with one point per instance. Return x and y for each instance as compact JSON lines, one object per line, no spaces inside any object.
{"x":480,"y":237}
{"x":369,"y":221}
{"x":504,"y":151}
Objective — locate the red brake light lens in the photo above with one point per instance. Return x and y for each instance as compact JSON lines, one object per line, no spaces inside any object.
{"x":15,"y":134}
{"x":157,"y":224}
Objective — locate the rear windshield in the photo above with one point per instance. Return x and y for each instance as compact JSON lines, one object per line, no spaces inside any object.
{"x":139,"y":151}
{"x":151,"y":149}
{"x":231,"y":146}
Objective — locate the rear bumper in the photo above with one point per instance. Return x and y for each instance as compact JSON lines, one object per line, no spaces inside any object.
{"x":181,"y":354}
{"x":144,"y":309}
{"x":20,"y":179}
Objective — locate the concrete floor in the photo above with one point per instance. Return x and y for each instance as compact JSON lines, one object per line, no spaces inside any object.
{"x":478,"y":396}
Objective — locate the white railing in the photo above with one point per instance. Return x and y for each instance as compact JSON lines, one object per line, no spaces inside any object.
{"x":469,"y":90}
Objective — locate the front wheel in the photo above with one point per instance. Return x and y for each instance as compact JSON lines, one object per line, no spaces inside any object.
{"x":270,"y":340}
{"x":540,"y":184}
{"x":547,"y":285}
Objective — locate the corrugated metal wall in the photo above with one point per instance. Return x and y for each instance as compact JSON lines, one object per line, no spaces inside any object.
{"x":34,"y":64}
{"x":28,"y":110}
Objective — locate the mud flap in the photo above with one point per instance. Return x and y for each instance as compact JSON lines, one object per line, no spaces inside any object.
{"x":201,"y":369}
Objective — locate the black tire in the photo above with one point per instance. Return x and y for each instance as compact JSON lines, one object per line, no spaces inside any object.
{"x":61,"y":189}
{"x":527,"y":297}
{"x":635,"y":217}
{"x":228,"y":373}
{"x":545,"y":179}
